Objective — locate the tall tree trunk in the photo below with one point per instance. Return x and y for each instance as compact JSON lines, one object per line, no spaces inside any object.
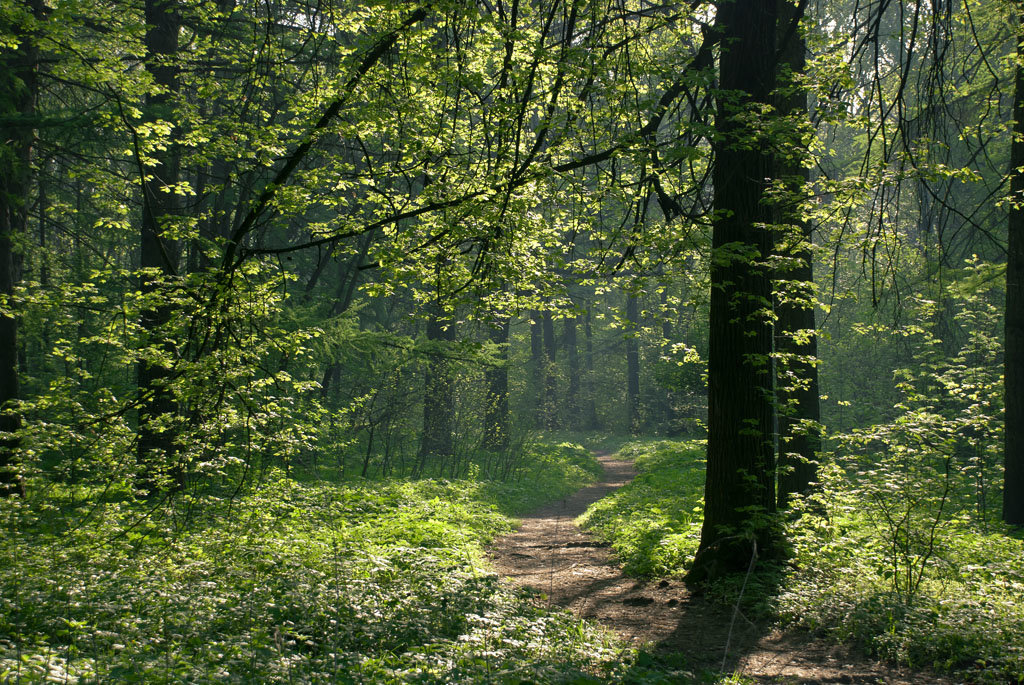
{"x":796,"y":338}
{"x":590,"y":419}
{"x":1013,"y":485}
{"x":668,"y":405}
{"x":157,"y":450}
{"x":18,"y":93}
{"x":496,"y":416}
{"x":437,"y":440}
{"x":538,"y":366}
{"x":633,"y":364}
{"x":740,"y":484}
{"x":572,"y":392}
{"x":550,"y":375}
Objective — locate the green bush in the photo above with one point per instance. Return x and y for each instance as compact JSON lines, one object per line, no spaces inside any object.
{"x":966,"y":612}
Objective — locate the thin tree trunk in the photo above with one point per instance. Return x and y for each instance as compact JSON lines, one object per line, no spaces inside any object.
{"x":590,"y":419}
{"x":496,"y":415}
{"x":796,"y":338}
{"x":437,"y":440}
{"x":739,"y":488}
{"x":538,"y":367}
{"x":550,"y":376}
{"x":633,"y":364}
{"x":348,"y":279}
{"x":18,"y":73}
{"x":572,"y":392}
{"x":668,"y":401}
{"x":1013,"y":484}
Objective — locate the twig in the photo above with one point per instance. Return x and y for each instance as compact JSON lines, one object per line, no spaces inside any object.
{"x":736,"y":609}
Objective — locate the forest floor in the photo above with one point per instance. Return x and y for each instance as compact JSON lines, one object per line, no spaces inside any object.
{"x":567,"y":567}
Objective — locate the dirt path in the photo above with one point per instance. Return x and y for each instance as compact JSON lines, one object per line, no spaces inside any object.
{"x":552,"y":556}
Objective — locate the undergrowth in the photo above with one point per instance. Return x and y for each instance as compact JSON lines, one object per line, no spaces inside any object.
{"x":653,"y":523}
{"x":304,"y":582}
{"x":936,"y":587}
{"x":966,"y":613}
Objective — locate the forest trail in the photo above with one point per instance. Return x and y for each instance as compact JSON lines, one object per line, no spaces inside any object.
{"x":553,"y":557}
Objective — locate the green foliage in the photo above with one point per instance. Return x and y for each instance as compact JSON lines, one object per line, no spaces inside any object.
{"x":242,"y":405}
{"x":901,"y":550}
{"x":366,"y":582}
{"x":653,"y":523}
{"x":964,"y":614}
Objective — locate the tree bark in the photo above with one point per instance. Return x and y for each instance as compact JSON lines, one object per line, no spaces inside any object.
{"x":632,"y":364}
{"x":437,"y":440}
{"x":739,"y":489}
{"x":668,"y":401}
{"x":1013,"y":378}
{"x":18,"y":69}
{"x":157,"y":449}
{"x":796,"y":338}
{"x":572,"y":392}
{"x":538,"y":366}
{"x":496,"y":414}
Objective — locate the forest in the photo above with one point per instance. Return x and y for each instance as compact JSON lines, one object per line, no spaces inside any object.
{"x":306,"y":306}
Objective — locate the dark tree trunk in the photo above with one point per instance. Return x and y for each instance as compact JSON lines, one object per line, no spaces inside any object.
{"x":348,"y":280}
{"x":437,"y":441}
{"x":157,"y":451}
{"x":739,"y":489}
{"x":590,"y":420}
{"x":538,"y":366}
{"x":668,"y":401}
{"x":18,"y":91}
{"x":496,"y":418}
{"x":550,"y":375}
{"x":633,"y":364}
{"x":572,"y":392}
{"x":1013,"y":485}
{"x":796,"y":339}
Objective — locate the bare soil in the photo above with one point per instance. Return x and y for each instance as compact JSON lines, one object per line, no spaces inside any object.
{"x":569,"y":568}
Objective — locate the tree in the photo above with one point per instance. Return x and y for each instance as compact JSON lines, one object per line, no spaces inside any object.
{"x":796,"y":340}
{"x":18,"y":92}
{"x":1013,"y":486}
{"x":550,"y":399}
{"x":572,"y":391}
{"x":633,"y":363}
{"x":740,"y":484}
{"x":497,"y":428}
{"x":159,"y":170}
{"x":437,"y":438}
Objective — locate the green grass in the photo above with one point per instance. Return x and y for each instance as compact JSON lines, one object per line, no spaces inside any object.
{"x":598,"y":441}
{"x":386,"y":582}
{"x":653,"y":523}
{"x":360,"y":582}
